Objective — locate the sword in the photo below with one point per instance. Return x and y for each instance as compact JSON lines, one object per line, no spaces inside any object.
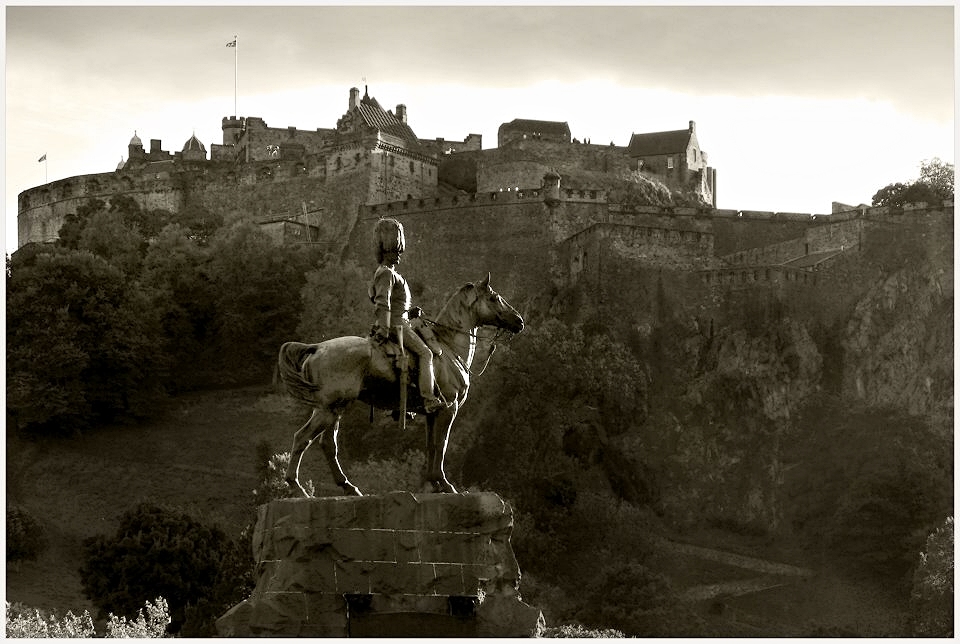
{"x":404,"y":380}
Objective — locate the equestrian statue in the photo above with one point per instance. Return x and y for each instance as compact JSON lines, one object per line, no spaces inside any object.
{"x":376,"y":370}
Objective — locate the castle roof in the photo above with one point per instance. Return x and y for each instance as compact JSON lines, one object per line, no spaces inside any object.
{"x":533,"y":125}
{"x":193,"y":143}
{"x":136,"y":140}
{"x":376,"y":117}
{"x":654,"y":143}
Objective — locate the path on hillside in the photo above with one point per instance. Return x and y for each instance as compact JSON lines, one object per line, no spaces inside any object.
{"x":731,"y":559}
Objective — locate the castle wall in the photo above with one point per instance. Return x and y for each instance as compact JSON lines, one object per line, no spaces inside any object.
{"x":456,"y":239}
{"x":42,"y":210}
{"x":396,"y":175}
{"x":524,"y":163}
{"x":820,"y":235}
{"x":258,"y":141}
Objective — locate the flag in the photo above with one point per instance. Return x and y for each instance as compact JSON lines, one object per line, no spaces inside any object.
{"x":43,"y":158}
{"x":232,"y":43}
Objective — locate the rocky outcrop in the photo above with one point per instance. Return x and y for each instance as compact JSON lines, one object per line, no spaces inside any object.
{"x":399,"y":565}
{"x":898,"y":344}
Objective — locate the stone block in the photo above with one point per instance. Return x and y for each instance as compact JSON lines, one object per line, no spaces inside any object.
{"x":279,"y":614}
{"x":408,"y":545}
{"x":366,"y":544}
{"x":402,"y":511}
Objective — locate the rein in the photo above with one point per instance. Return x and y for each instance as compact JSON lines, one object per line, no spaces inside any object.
{"x":476,"y":336}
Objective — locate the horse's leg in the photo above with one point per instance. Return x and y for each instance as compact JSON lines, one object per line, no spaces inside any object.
{"x":438,"y":434}
{"x":328,"y":442}
{"x":302,"y":439}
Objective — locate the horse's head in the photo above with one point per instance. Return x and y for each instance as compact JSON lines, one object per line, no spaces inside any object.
{"x":491,"y":309}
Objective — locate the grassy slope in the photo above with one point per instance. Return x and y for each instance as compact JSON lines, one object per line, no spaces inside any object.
{"x":201,"y":456}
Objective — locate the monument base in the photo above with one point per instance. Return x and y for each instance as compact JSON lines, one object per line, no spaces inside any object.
{"x":392,"y":565}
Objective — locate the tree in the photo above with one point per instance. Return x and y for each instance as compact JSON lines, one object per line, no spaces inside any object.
{"x":558,"y":389}
{"x":81,"y":342}
{"x":335,"y":302}
{"x":156,"y":551}
{"x":182,"y":296}
{"x":25,"y":536}
{"x":934,"y":185}
{"x":107,"y":234}
{"x":256,"y":284}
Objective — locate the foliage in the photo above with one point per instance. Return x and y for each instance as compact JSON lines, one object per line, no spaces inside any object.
{"x":79,"y":342}
{"x":934,"y":185}
{"x":107,"y":235}
{"x":174,"y":280}
{"x":25,"y":536}
{"x":872,"y":485}
{"x":155,"y":550}
{"x":273,"y":482}
{"x":154,"y":624}
{"x":931,"y":599}
{"x":554,"y":389}
{"x":254,"y":284}
{"x":23,"y":622}
{"x":579,"y":630}
{"x":636,"y":600}
{"x":335,"y":302}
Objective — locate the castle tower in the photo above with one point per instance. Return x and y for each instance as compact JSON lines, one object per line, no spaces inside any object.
{"x":232,"y":126}
{"x":135,"y":147}
{"x":551,"y":189}
{"x":193,"y":150}
{"x":354,"y":97}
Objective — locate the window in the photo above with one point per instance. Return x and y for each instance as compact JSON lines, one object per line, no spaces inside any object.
{"x":411,"y":167}
{"x":669,"y":163}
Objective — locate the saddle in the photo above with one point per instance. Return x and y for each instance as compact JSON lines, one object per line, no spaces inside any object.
{"x":405,"y":366}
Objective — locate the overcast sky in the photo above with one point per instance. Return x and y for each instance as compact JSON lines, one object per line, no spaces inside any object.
{"x":795,"y":107}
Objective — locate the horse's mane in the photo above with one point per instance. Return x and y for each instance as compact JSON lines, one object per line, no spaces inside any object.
{"x":451,"y":313}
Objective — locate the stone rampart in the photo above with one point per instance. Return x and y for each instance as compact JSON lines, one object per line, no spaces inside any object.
{"x":397,"y":565}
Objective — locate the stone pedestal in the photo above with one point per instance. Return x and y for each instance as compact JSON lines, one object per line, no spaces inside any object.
{"x":393,"y":565}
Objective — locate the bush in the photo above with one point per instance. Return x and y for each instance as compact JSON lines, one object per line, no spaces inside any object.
{"x":156,"y":550}
{"x":25,"y":537}
{"x":638,"y":601}
{"x":30,"y":622}
{"x":931,"y":600}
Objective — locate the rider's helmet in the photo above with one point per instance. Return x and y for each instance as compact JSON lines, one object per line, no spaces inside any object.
{"x":387,"y":237}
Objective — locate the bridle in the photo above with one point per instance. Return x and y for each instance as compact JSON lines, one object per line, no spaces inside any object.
{"x":476,"y":336}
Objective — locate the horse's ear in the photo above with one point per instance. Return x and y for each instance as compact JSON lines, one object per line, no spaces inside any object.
{"x":485,"y":284}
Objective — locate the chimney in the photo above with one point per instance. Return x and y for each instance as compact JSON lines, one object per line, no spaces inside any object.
{"x":155,"y":145}
{"x":693,"y":127}
{"x":402,"y":113}
{"x":354,"y":97}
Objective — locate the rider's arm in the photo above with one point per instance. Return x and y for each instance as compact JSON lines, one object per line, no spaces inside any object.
{"x":382,"y":292}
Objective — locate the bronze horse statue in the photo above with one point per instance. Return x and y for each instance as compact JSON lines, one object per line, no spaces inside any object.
{"x":330,"y":375}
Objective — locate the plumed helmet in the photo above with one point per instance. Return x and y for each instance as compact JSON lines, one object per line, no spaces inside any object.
{"x":387,"y":237}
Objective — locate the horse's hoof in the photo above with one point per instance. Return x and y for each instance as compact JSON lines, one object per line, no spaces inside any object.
{"x":440,"y":487}
{"x":350,"y":489}
{"x":296,"y":488}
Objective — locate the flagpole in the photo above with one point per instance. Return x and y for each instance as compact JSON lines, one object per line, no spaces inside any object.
{"x":235,"y":72}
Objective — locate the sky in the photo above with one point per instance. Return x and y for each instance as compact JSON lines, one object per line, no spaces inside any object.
{"x":795,"y":106}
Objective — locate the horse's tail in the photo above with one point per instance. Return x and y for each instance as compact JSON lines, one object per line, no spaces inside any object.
{"x":289,"y":370}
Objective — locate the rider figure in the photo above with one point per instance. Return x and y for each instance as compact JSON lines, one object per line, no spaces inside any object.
{"x":391,"y":295}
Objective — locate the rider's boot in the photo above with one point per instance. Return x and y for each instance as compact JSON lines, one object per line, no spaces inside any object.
{"x":431,"y":403}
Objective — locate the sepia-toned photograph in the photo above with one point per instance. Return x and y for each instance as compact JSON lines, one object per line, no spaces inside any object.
{"x":486,"y":321}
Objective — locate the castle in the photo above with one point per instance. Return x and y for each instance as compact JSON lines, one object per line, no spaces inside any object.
{"x":542,"y":211}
